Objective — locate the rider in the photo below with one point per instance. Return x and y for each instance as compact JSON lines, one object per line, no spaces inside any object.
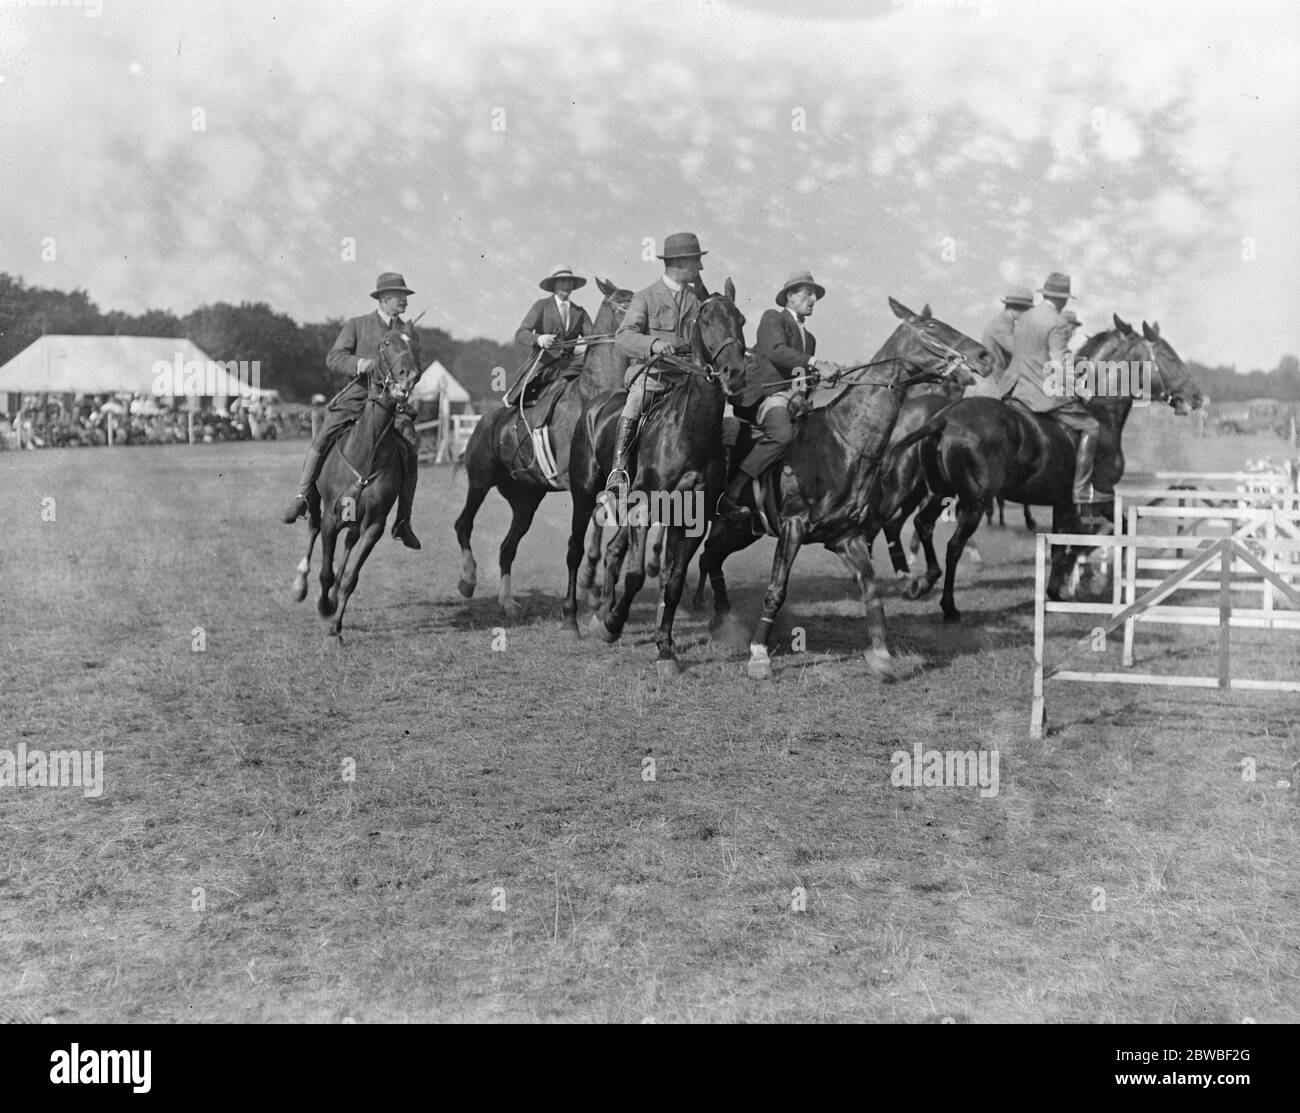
{"x":355,"y":352}
{"x":655,"y":324}
{"x":775,"y":392}
{"x":551,"y":328}
{"x":998,"y":340}
{"x":1040,"y":336}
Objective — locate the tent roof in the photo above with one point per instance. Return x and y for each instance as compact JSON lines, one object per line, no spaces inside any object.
{"x":110,"y":365}
{"x":435,"y":380}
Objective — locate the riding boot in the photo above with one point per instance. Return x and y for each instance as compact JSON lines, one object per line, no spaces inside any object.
{"x":618,"y":476}
{"x":1085,"y":457}
{"x":406,"y":499}
{"x":310,"y":470}
{"x":729,"y":503}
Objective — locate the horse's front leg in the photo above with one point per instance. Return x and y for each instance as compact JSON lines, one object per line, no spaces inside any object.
{"x":925,"y":519}
{"x":304,"y":565}
{"x":632,"y":582}
{"x":614,"y":554}
{"x":787,"y":548}
{"x":969,"y":516}
{"x":679,"y":547}
{"x":355,"y":552}
{"x":856,"y":554}
{"x":328,"y":601}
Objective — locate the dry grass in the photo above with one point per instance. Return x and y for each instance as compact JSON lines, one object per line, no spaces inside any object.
{"x":521,"y":771}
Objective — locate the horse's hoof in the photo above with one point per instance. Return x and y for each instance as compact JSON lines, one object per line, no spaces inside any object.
{"x":917,"y":589}
{"x":466,"y":588}
{"x":951,"y":617}
{"x":974,"y":555}
{"x":300,"y":589}
{"x":667,"y":668}
{"x":901,"y":574}
{"x":602,"y":631}
{"x":511,"y":608}
{"x":326,"y":607}
{"x":883,"y":666}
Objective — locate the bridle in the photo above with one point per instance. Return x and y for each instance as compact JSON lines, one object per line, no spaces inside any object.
{"x":955,"y":360}
{"x":387,"y":380}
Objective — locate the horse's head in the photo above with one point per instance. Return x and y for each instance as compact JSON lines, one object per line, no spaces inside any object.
{"x":616,"y":297}
{"x":396,"y":371}
{"x":928,"y":344}
{"x":1171,"y":381}
{"x":719,"y":338}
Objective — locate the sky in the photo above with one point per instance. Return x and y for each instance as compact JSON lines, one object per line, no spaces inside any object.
{"x":164,"y":155}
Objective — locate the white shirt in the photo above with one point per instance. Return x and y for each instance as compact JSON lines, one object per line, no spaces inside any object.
{"x":675,"y":287}
{"x":564,"y":312}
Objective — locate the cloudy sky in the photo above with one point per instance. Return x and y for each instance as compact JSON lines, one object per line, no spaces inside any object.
{"x":169,"y":154}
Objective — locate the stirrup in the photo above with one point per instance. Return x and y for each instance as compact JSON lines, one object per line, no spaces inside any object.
{"x":618,"y":477}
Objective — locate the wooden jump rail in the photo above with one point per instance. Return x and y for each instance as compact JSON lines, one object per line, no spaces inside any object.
{"x":1231,"y":554}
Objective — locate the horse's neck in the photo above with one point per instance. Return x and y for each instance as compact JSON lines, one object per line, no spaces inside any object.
{"x":375,"y":420}
{"x":603,"y":368}
{"x":858,"y":415}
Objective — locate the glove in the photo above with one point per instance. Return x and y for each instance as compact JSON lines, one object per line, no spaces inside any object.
{"x":546,"y":340}
{"x":661,"y":347}
{"x":798,"y":405}
{"x":363,"y":365}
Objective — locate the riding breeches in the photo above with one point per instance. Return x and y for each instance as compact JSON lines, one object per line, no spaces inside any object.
{"x":638,"y":386}
{"x":773,"y":417}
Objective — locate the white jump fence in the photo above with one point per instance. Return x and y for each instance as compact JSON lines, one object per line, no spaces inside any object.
{"x":1257,"y":555}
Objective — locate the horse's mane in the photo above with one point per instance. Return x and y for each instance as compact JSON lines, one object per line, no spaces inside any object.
{"x":1093,"y":344}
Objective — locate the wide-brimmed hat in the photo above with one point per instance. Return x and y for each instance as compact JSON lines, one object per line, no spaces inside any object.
{"x":1018,"y":296}
{"x":548,"y":283}
{"x":390,"y":282}
{"x":680,"y":245}
{"x":799,"y":278}
{"x":1056,"y":286}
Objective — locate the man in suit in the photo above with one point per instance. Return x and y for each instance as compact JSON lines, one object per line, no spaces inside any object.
{"x":997,"y":339}
{"x":552,"y":328}
{"x":1041,"y":335}
{"x":355,"y":352}
{"x":655,"y":324}
{"x":774,"y":393}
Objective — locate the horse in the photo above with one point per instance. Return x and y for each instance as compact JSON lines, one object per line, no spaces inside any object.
{"x":679,"y":454}
{"x":979,"y":448}
{"x":501,"y":451}
{"x":359,"y":482}
{"x":827,"y":488}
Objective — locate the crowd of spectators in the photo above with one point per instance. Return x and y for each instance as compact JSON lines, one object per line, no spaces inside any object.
{"x":143,"y":419}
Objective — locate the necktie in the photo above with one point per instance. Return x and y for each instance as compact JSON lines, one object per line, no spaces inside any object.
{"x":564,"y":315}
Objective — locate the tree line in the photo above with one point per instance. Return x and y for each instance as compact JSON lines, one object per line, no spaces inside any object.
{"x":292,"y":355}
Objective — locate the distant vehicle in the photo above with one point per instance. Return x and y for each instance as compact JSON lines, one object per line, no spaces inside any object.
{"x":1259,"y":415}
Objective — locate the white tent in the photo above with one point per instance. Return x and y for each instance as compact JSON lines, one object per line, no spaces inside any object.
{"x":118,"y":365}
{"x":437,"y":382}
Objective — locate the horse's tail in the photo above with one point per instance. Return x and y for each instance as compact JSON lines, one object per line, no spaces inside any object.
{"x":894,"y":454}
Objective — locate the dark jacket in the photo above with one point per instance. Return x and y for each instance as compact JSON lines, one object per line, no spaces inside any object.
{"x":359,"y":339}
{"x":779,"y":350}
{"x":543,"y":318}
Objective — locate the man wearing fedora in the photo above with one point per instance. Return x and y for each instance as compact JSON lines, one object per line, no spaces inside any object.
{"x":1041,"y":335}
{"x":655,"y":324}
{"x":774,"y":391}
{"x":997,"y":339}
{"x":551,"y":329}
{"x":354,"y":353}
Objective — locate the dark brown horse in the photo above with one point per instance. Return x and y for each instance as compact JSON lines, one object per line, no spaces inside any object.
{"x":979,"y":448}
{"x":358,"y":483}
{"x":827,"y":487}
{"x":679,"y":458}
{"x":500,"y":452}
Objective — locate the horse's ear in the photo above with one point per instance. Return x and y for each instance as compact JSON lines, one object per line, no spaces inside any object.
{"x":900,"y":310}
{"x":1149,"y":333}
{"x":1123,"y":325}
{"x":925,"y":311}
{"x":606,"y":287}
{"x":1155,"y":328}
{"x":729,"y":288}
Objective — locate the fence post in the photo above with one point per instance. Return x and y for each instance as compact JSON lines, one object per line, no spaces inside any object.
{"x":1038,"y":710}
{"x":1130,"y":584}
{"x":1227,"y":554}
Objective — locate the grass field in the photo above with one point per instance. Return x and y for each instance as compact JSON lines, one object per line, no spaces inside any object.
{"x":448,"y":817}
